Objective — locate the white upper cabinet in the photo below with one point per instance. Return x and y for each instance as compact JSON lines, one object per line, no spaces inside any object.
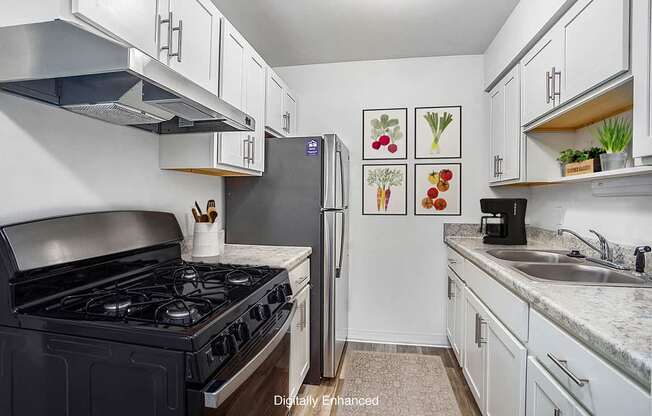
{"x":281,"y":107}
{"x":505,"y":128}
{"x":243,"y":86}
{"x":595,"y":37}
{"x":540,"y":73}
{"x":642,"y":69}
{"x":128,"y":20}
{"x":184,"y":34}
{"x":232,"y":82}
{"x":194,"y":51}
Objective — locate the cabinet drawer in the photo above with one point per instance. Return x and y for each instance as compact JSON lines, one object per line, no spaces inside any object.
{"x":300,"y":276}
{"x":604,"y":389}
{"x":545,"y":396}
{"x":456,"y":262}
{"x":511,"y":310}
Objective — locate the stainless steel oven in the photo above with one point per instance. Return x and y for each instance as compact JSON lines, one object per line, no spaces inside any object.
{"x":253,"y":378}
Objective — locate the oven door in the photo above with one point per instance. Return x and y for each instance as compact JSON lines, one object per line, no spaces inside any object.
{"x":253,"y":378}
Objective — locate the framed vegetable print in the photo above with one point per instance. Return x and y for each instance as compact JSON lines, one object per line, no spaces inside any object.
{"x":438,"y":132}
{"x":438,"y":189}
{"x":384,"y":189}
{"x":384,"y":134}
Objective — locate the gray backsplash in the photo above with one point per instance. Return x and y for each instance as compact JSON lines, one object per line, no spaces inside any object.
{"x":622,"y":253}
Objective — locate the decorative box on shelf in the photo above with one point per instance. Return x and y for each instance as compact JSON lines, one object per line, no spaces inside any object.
{"x":581,"y":168}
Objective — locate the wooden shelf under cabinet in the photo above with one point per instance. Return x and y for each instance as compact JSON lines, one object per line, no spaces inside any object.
{"x":600,"y":106}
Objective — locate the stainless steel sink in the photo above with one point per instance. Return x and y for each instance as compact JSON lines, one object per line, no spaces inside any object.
{"x":579,"y":273}
{"x":531,"y":256}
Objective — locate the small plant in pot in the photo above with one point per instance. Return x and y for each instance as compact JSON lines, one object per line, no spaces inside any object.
{"x":577,"y":162}
{"x":614,"y":135}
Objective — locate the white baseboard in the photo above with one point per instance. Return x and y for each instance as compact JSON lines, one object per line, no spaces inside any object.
{"x":403,"y":338}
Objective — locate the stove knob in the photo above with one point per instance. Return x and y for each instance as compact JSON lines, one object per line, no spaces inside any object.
{"x":221,"y":346}
{"x":273,"y":297}
{"x":257,"y":312}
{"x":287,"y":289}
{"x":267,"y":312}
{"x":280,"y":294}
{"x":241,"y":331}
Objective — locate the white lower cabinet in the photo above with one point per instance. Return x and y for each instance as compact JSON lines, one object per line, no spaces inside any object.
{"x":300,"y":341}
{"x":545,"y":397}
{"x":455,"y":315}
{"x":494,"y":362}
{"x":504,"y":370}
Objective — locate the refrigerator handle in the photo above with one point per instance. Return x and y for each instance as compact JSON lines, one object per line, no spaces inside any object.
{"x":339,"y":155}
{"x":338,"y":269}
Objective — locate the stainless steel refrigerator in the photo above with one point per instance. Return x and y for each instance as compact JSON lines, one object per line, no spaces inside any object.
{"x":302,"y":200}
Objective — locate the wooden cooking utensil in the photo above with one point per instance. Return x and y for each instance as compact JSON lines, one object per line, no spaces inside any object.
{"x":205,"y":218}
{"x":196,"y":215}
{"x":210,"y":204}
{"x":198,"y":209}
{"x":212,"y":213}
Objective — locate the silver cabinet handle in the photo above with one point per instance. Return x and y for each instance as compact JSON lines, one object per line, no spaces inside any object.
{"x":495,"y":158}
{"x":450,"y":281}
{"x":245,"y":150}
{"x":555,"y":93}
{"x":167,"y":21}
{"x":478,"y":330}
{"x":289,"y":122}
{"x":452,"y":261}
{"x":563,"y":366}
{"x":500,"y":165}
{"x":179,"y":39}
{"x":556,"y":412}
{"x":548,"y":78}
{"x":253,"y":150}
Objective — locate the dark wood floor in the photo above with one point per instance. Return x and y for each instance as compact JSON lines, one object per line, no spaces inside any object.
{"x":331,"y":387}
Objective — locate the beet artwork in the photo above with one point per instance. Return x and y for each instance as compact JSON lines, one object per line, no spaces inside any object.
{"x":384,"y":133}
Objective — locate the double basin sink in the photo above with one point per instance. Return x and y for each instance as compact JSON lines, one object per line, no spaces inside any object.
{"x":558,"y":267}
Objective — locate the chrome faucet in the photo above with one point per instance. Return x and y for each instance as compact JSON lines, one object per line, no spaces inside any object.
{"x":605,"y":251}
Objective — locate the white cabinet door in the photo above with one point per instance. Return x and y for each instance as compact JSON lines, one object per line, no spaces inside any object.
{"x":255,"y":69}
{"x":538,"y":83}
{"x":195,"y":48}
{"x":496,"y":130}
{"x":460,"y":321}
{"x":232,"y":81}
{"x":545,"y":397}
{"x":450,"y":310}
{"x":134,"y":22}
{"x":274,"y":108}
{"x":474,"y":349}
{"x":300,"y":341}
{"x":290,"y":106}
{"x":642,"y":70}
{"x":596,"y":44}
{"x":509,"y":164}
{"x":505,"y":371}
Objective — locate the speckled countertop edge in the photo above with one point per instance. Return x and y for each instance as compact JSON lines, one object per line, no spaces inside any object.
{"x":285,"y":257}
{"x":568,"y":306}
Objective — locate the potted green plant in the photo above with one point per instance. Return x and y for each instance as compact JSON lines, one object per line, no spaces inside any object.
{"x":614,"y":135}
{"x":577,"y":162}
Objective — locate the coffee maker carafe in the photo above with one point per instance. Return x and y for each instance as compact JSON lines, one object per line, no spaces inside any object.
{"x":506,"y":224}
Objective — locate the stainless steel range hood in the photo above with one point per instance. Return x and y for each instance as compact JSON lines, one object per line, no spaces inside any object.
{"x":61,"y":64}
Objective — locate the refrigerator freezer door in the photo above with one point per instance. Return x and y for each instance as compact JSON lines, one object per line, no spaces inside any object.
{"x":336,"y":289}
{"x":336,"y":173}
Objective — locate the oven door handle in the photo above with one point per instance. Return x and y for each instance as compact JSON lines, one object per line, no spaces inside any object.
{"x":213,"y":399}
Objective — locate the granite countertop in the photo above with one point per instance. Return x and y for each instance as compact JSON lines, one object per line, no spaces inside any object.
{"x":614,"y":322}
{"x":285,"y":257}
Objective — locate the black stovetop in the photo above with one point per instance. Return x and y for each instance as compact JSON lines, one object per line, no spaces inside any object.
{"x":175,"y":294}
{"x":175,"y":305}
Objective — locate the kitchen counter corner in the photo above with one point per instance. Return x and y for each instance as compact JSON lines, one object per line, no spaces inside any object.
{"x":285,"y":257}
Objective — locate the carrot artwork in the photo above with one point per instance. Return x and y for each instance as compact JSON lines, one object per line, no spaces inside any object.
{"x":383,"y":179}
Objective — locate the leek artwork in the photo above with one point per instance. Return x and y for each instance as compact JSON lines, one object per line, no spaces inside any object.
{"x":438,"y":132}
{"x":437,"y":125}
{"x":384,"y":189}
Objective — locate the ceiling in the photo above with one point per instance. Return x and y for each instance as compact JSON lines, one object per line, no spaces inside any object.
{"x":298,"y":32}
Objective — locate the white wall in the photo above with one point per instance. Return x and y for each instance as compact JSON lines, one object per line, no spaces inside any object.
{"x":527,"y":22}
{"x":398,"y":283}
{"x":54,"y":162}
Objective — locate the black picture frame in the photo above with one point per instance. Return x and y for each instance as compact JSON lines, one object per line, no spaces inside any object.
{"x":404,"y":166}
{"x":434,"y":214}
{"x":416,"y":157}
{"x":405,"y":133}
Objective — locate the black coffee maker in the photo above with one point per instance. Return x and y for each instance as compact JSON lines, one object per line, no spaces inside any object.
{"x":506,"y":224}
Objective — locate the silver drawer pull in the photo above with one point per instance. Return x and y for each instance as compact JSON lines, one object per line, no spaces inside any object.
{"x":451,"y":261}
{"x":563,"y":365}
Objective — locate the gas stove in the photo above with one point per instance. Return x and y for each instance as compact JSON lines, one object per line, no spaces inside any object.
{"x":109,"y":293}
